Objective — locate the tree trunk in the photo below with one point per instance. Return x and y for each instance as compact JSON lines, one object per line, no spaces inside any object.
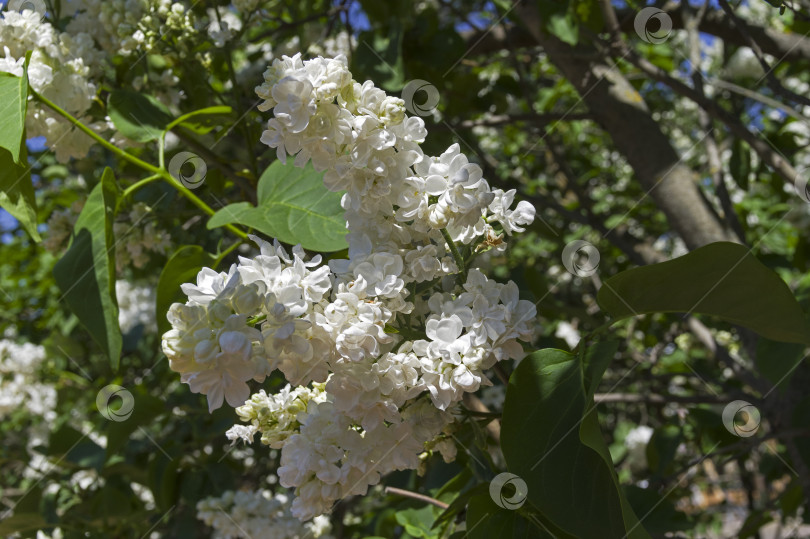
{"x":623,"y":114}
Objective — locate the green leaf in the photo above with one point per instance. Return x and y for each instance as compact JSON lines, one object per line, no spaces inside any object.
{"x":551,"y":439}
{"x":661,"y":449}
{"x":204,"y":120}
{"x":13,"y":105}
{"x":660,"y":515}
{"x":740,"y":163}
{"x":146,"y":408}
{"x":418,"y":522}
{"x":486,"y":520}
{"x":379,"y":57}
{"x":86,"y":272}
{"x":720,"y":279}
{"x":294,"y":207}
{"x":163,"y":480}
{"x":71,"y":446}
{"x":182,"y":267}
{"x":17,"y":192}
{"x":564,"y":26}
{"x":23,"y":522}
{"x":777,"y":361}
{"x":139,"y":117}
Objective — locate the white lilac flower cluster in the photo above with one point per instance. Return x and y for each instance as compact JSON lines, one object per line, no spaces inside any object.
{"x":379,"y":348}
{"x":60,"y":227}
{"x":123,"y":27}
{"x":20,"y":388}
{"x":59,"y":70}
{"x":136,"y":306}
{"x":258,"y":514}
{"x":138,"y":238}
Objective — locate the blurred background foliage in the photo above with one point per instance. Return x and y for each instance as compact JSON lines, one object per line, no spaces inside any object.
{"x":514,"y":91}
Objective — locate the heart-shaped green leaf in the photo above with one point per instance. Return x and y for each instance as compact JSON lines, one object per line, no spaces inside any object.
{"x":86,"y":272}
{"x":294,"y":207}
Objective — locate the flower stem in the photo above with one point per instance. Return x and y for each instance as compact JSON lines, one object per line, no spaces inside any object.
{"x":137,"y":185}
{"x":226,"y":252}
{"x":95,"y":136}
{"x":456,"y":254}
{"x":159,"y":172}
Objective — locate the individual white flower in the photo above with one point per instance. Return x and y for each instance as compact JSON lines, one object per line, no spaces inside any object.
{"x":136,"y":306}
{"x":511,"y":220}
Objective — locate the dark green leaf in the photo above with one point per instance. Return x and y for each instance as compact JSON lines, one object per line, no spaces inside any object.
{"x":294,"y":207}
{"x":776,"y":361}
{"x":13,"y":105}
{"x":17,"y":192}
{"x":139,"y":117}
{"x":740,"y":163}
{"x":146,"y":408}
{"x":71,"y":446}
{"x":182,"y":267}
{"x":86,"y":272}
{"x":721,"y":279}
{"x":23,"y":522}
{"x":551,"y":439}
{"x":486,"y":520}
{"x":379,"y":58}
{"x":661,"y":449}
{"x":163,"y":480}
{"x":659,"y":514}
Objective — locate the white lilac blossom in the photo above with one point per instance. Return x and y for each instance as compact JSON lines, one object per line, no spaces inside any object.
{"x":138,"y":237}
{"x":136,"y":306}
{"x":59,"y":70}
{"x":60,"y":227}
{"x":20,"y":387}
{"x":378,"y":349}
{"x":258,"y":514}
{"x":122,"y":27}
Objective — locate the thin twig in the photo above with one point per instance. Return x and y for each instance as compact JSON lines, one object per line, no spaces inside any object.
{"x":415,"y":496}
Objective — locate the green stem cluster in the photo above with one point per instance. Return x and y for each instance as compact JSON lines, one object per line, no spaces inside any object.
{"x":156,"y":172}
